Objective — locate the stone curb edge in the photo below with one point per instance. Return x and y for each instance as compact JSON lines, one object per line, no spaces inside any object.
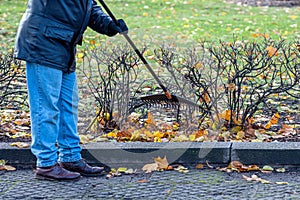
{"x":137,"y":154}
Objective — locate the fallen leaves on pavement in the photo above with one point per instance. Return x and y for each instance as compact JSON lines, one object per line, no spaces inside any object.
{"x":20,"y":144}
{"x":4,"y":167}
{"x":240,"y":168}
{"x":159,"y":164}
{"x":255,"y":178}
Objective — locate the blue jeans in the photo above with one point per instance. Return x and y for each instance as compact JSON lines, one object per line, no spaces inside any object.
{"x":53,"y":100}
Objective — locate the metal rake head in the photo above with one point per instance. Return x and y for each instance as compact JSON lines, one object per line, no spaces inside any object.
{"x":163,"y":100}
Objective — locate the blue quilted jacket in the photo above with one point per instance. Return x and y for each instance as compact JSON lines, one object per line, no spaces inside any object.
{"x":50,"y":30}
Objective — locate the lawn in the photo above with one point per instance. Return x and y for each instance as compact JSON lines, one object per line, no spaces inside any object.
{"x":181,"y":21}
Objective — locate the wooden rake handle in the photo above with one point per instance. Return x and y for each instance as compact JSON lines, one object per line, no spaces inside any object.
{"x":140,"y":55}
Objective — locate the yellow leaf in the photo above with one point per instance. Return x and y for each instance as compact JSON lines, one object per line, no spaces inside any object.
{"x":20,"y":144}
{"x":198,"y":65}
{"x":135,"y":135}
{"x":267,"y":168}
{"x":2,"y":162}
{"x":122,"y":169}
{"x":158,"y":134}
{"x":80,"y":55}
{"x":240,"y":135}
{"x":192,"y":137}
{"x":112,"y":134}
{"x":148,"y":134}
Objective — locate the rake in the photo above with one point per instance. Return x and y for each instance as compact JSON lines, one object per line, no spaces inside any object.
{"x":167,"y":97}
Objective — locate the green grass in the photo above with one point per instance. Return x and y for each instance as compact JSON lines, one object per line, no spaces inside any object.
{"x":181,"y":21}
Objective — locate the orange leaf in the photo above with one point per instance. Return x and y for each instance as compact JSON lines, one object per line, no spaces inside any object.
{"x":227,"y":115}
{"x":161,"y":162}
{"x":274,"y":120}
{"x":205,"y":98}
{"x":150,"y":119}
{"x":199,"y":166}
{"x":92,"y":42}
{"x":272,"y":51}
{"x":286,"y":129}
{"x":142,"y":181}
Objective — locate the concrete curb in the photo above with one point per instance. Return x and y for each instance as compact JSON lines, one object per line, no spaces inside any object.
{"x":137,"y":154}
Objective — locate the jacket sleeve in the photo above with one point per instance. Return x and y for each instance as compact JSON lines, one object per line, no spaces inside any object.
{"x":99,"y":21}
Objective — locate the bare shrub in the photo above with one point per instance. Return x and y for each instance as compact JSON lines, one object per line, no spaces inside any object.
{"x":13,"y":92}
{"x":247,"y":74}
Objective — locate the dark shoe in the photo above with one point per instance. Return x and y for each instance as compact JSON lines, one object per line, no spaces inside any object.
{"x":55,"y":172}
{"x":83,"y":168}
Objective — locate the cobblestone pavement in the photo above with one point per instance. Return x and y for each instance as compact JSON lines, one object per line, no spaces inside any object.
{"x":196,"y":184}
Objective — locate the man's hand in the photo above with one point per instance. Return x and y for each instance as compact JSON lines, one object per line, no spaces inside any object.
{"x":114,"y":29}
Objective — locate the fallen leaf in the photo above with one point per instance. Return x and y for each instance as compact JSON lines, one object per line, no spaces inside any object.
{"x":2,"y":162}
{"x":181,"y":169}
{"x":84,"y":139}
{"x":240,"y":135}
{"x":142,"y":181}
{"x":267,"y":168}
{"x":235,"y":164}
{"x":148,"y":168}
{"x":122,"y":169}
{"x":150,"y":119}
{"x":255,"y":178}
{"x":281,"y":183}
{"x":5,"y":167}
{"x":272,"y":51}
{"x":20,"y":144}
{"x":130,"y":171}
{"x":238,"y":166}
{"x":210,"y":166}
{"x":198,"y":65}
{"x":199,"y":166}
{"x":162,"y":163}
{"x":286,"y":130}
{"x":280,"y":170}
{"x":9,"y":168}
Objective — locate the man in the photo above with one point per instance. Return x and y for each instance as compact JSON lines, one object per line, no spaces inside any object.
{"x":46,"y":39}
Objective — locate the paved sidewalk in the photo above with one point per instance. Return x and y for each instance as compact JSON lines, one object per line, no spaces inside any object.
{"x":196,"y":184}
